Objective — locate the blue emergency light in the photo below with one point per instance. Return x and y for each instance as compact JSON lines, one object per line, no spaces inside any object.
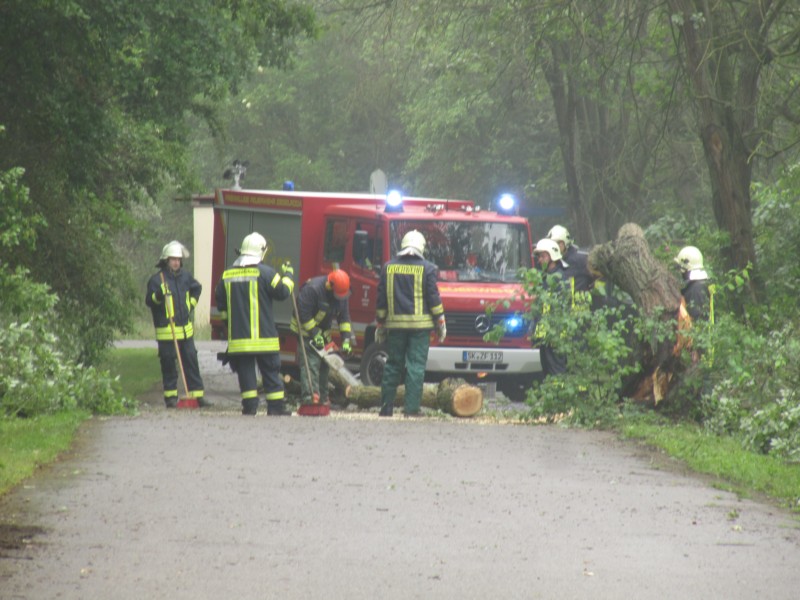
{"x":513,"y":324}
{"x":394,"y":202}
{"x":507,"y":204}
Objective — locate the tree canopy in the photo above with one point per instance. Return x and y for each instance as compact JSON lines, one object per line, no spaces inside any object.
{"x":96,"y":98}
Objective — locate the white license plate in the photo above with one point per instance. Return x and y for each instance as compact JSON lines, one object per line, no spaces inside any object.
{"x":482,"y":356}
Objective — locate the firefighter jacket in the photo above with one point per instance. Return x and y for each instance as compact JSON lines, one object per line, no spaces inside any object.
{"x":184,"y":292}
{"x":577,"y":269}
{"x":244,"y":298}
{"x":408,"y":296}
{"x":696,"y":292}
{"x":318,"y":307}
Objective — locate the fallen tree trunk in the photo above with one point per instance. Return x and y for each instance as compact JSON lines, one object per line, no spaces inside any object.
{"x":454,"y":396}
{"x":628,"y":264}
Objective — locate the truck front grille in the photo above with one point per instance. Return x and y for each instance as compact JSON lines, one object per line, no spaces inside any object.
{"x":476,"y":324}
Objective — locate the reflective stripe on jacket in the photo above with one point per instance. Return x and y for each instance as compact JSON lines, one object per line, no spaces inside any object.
{"x":179,"y":303}
{"x":318,"y":307}
{"x":408,"y":295}
{"x":244,"y":298}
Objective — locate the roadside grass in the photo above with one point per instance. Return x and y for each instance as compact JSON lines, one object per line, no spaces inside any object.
{"x":29,"y":443}
{"x":137,"y":368}
{"x":744,"y":472}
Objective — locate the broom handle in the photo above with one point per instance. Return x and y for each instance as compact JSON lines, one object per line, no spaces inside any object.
{"x":302,"y":343}
{"x":174,"y":335}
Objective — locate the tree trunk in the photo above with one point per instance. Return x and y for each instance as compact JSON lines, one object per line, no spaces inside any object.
{"x":629,"y":265}
{"x":453,"y":396}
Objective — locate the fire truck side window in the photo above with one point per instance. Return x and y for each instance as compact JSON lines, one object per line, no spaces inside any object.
{"x":366,"y":252}
{"x":335,"y":241}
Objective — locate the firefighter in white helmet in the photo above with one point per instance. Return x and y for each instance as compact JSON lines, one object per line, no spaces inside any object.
{"x":548,"y":258}
{"x":174,"y":292}
{"x":695,"y":288}
{"x":244,"y":298}
{"x":408,"y":308}
{"x":574,"y":259}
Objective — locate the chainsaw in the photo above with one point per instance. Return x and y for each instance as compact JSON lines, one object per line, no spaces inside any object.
{"x":330,"y":354}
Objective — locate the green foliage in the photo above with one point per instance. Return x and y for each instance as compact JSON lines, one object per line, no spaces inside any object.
{"x":597,"y":341}
{"x":777,"y":244}
{"x":96,"y":98}
{"x":39,"y":373}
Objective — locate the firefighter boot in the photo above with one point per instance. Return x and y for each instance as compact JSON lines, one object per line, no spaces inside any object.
{"x":277,"y":408}
{"x":250,"y":406}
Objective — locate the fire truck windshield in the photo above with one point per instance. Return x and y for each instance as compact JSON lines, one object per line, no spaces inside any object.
{"x":470,"y":250}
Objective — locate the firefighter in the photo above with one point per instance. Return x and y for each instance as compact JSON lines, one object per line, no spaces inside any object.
{"x":547,"y":256}
{"x":408,"y":308}
{"x":573,"y":258}
{"x":321,"y":300}
{"x":695,"y":288}
{"x":244,"y":298}
{"x":174,"y":292}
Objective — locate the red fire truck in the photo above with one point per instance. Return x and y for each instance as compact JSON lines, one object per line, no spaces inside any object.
{"x":478,"y":253}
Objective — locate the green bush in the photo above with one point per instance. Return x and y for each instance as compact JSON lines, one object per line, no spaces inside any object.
{"x":40,"y":372}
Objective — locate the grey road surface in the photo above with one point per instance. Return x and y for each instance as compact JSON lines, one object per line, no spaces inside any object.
{"x":212,"y":505}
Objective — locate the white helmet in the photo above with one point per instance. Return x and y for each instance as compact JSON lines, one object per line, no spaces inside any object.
{"x":254,"y":245}
{"x":174,"y":250}
{"x":413,"y":243}
{"x":689,"y":259}
{"x":549,"y":246}
{"x":559,"y":233}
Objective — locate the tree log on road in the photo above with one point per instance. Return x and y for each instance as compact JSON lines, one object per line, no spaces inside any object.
{"x":453,"y":396}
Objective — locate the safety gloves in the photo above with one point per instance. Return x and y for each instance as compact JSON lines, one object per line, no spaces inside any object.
{"x":287,"y":270}
{"x":317,"y":339}
{"x":441,"y":329}
{"x":347,"y":346}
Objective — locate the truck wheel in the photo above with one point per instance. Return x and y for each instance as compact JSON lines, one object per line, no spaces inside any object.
{"x":515,"y":388}
{"x":372,"y":362}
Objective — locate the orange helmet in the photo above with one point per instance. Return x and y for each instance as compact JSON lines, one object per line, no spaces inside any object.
{"x":339,"y":282}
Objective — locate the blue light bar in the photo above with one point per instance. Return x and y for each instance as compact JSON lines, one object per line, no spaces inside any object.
{"x":394,"y":201}
{"x":507,"y":204}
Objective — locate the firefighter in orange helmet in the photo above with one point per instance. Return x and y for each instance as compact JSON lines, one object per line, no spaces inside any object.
{"x":321,"y":300}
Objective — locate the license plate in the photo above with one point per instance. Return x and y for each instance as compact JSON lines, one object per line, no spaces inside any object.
{"x":482,"y":356}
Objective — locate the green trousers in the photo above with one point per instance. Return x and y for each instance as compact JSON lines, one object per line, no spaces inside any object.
{"x":407,"y":351}
{"x":318,"y":369}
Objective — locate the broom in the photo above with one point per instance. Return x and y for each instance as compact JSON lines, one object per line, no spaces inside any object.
{"x":187,"y":401}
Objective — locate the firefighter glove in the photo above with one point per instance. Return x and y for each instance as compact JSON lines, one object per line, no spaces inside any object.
{"x":162,"y":292}
{"x":380,"y":334}
{"x":441,"y":329}
{"x":347,"y":348}
{"x":317,"y":340}
{"x":287,"y":270}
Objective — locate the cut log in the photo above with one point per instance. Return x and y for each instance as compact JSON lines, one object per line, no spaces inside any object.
{"x":453,"y":396}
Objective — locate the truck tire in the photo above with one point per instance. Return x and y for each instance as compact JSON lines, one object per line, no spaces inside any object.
{"x":372,"y":363}
{"x":515,"y":388}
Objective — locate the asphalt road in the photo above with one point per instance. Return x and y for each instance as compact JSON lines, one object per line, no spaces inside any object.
{"x":210,"y":505}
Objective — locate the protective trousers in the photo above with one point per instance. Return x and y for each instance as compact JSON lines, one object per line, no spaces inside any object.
{"x":169,"y":369}
{"x":319,"y":370}
{"x":269,"y":365}
{"x":407,"y":351}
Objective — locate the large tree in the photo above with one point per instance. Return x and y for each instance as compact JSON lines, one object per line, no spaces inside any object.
{"x":95,"y":96}
{"x":741,"y":59}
